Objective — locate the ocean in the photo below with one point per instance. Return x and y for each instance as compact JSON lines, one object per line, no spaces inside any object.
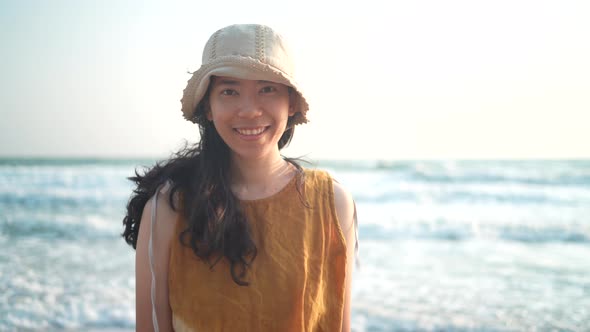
{"x":444,"y":245}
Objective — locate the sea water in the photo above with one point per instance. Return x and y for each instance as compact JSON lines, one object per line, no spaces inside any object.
{"x":444,"y":245}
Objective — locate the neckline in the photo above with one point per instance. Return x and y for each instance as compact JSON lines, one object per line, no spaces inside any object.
{"x":287,"y":186}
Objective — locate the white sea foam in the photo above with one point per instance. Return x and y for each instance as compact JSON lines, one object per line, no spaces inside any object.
{"x":66,"y":285}
{"x":472,"y":285}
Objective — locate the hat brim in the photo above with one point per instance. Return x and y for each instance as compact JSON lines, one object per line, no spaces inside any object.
{"x":243,"y":68}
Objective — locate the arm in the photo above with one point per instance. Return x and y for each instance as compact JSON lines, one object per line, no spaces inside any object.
{"x":345,"y":211}
{"x":163,"y":234}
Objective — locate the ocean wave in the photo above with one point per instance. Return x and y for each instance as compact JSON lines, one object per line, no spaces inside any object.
{"x":453,"y":233}
{"x":57,"y":226}
{"x":60,"y":199}
{"x":515,"y":194}
{"x":558,"y":172}
{"x":568,"y":180}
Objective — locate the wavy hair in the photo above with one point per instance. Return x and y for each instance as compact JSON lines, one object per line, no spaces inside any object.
{"x":216,"y":225}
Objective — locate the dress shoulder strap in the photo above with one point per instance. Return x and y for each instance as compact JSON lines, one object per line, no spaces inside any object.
{"x":164,"y":188}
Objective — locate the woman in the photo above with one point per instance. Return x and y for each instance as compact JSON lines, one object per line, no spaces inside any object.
{"x":230,"y":235}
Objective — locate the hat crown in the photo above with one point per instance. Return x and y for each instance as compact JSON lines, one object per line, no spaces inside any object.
{"x":254,"y":41}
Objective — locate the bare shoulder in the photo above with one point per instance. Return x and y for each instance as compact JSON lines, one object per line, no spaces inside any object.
{"x":162,"y":237}
{"x":164,"y":222}
{"x":166,"y":216}
{"x":164,"y":202}
{"x":344,"y":207}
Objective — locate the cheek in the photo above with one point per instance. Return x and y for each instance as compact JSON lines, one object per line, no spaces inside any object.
{"x":217,"y":112}
{"x":284,"y":105}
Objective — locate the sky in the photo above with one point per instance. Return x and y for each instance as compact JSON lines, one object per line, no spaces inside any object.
{"x":385,"y":79}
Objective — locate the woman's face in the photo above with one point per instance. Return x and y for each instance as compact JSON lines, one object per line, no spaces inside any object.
{"x":250,"y":116}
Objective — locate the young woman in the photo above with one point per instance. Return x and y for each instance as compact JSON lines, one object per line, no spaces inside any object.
{"x":230,"y":235}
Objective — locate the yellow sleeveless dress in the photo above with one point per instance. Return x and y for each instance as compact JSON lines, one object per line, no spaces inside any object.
{"x":296,"y":280}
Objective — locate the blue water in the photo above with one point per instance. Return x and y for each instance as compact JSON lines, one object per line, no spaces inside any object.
{"x":445,"y":245}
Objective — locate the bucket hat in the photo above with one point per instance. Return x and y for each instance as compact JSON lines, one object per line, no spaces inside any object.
{"x":244,"y":51}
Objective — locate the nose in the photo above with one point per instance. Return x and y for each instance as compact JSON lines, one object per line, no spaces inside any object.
{"x":251,"y":107}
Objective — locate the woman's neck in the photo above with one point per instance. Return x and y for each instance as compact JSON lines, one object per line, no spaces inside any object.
{"x":259,"y":178}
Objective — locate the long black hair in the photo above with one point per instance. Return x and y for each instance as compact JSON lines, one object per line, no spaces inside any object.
{"x":216,"y":225}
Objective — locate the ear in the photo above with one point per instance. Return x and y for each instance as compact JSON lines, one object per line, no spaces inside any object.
{"x":209,"y":115}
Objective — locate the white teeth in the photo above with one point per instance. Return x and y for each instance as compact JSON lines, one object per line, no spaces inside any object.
{"x":250,"y":132}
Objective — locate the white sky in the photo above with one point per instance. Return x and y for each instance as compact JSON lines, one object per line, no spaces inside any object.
{"x":385,"y":79}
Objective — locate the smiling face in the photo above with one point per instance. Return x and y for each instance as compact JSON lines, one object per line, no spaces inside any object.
{"x":250,"y":116}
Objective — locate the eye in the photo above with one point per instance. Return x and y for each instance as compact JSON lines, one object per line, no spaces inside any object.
{"x":268,"y":89}
{"x":229,"y":92}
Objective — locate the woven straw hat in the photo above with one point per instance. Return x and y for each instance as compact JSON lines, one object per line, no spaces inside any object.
{"x":244,"y":51}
